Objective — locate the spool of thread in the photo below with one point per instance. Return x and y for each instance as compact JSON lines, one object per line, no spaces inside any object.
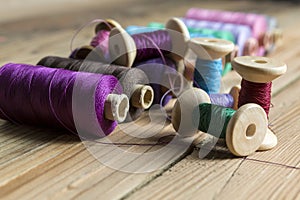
{"x":242,"y":34}
{"x":208,"y":33}
{"x":226,"y":35}
{"x":257,"y":23}
{"x":163,"y":76}
{"x":99,"y":42}
{"x":257,"y":74}
{"x":208,"y":68}
{"x":133,"y":81}
{"x":229,"y":100}
{"x":83,"y":103}
{"x":126,"y":49}
{"x":243,"y":130}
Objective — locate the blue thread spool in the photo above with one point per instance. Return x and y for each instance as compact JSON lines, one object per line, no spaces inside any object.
{"x":208,"y":68}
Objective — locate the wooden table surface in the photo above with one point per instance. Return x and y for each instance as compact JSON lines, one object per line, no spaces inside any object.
{"x":45,"y":164}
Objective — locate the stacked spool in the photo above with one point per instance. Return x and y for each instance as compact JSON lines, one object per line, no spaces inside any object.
{"x":263,"y":29}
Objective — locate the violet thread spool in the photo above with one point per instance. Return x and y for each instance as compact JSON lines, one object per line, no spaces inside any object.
{"x":173,"y":40}
{"x":209,"y":52}
{"x":257,"y":74}
{"x":245,"y":130}
{"x":132,"y":80}
{"x":82,"y":103}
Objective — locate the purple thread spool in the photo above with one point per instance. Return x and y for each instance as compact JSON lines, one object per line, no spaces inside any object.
{"x":82,"y":103}
{"x":162,"y":77}
{"x":229,"y":100}
{"x":126,"y":49}
{"x":241,"y":33}
{"x":257,"y":23}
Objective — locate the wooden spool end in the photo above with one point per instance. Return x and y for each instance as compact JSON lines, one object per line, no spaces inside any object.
{"x":182,"y":111}
{"x":258,"y":69}
{"x":116,"y":107}
{"x":142,"y":96}
{"x":107,"y":24}
{"x":210,"y":49}
{"x":246,"y":130}
{"x":179,"y":36}
{"x":235,"y":92}
{"x":121,"y":47}
{"x":229,"y":57}
{"x":277,"y":35}
{"x":251,"y":47}
{"x":270,"y":141}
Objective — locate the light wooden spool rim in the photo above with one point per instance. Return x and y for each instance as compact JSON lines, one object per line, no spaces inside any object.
{"x":210,"y":48}
{"x":104,"y":25}
{"x":182,"y":118}
{"x":246,"y":130}
{"x":251,"y":47}
{"x":258,"y":69}
{"x":179,"y":36}
{"x":269,"y":142}
{"x":122,"y":48}
{"x":142,"y":97}
{"x":116,"y":107}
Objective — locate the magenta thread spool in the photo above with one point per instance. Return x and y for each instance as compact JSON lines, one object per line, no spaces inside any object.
{"x":82,"y":103}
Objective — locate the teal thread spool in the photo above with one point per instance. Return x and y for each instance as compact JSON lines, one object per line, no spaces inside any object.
{"x":243,"y":130}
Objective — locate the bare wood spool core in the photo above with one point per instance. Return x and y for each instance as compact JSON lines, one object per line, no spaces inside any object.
{"x":210,"y":49}
{"x":182,"y":118}
{"x":246,"y":130}
{"x":107,"y":25}
{"x":235,"y":92}
{"x":122,"y":48}
{"x":116,"y":107}
{"x":258,"y":69}
{"x":142,"y":97}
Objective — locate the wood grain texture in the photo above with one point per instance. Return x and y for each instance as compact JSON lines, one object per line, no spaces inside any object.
{"x":50,"y":164}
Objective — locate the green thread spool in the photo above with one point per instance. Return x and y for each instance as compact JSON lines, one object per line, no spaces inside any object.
{"x":243,"y":130}
{"x":213,"y":119}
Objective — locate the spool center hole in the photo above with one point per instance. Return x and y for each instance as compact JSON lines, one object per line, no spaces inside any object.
{"x":260,"y":61}
{"x":148,"y":98}
{"x":250,"y":131}
{"x":123,"y":107}
{"x":211,"y":40}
